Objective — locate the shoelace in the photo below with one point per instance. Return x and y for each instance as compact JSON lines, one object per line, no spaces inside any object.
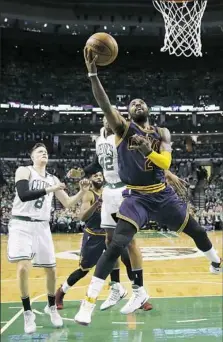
{"x":53,"y":309}
{"x":27,"y":316}
{"x":114,"y":295}
{"x":85,"y":305}
{"x":135,"y":295}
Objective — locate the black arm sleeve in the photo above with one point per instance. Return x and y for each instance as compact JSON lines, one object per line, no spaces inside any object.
{"x":25,"y":194}
{"x":92,"y":168}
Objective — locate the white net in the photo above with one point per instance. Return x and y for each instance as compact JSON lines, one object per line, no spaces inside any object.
{"x":182,"y":25}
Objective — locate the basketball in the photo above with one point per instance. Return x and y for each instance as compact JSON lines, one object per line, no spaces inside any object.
{"x":104,"y":46}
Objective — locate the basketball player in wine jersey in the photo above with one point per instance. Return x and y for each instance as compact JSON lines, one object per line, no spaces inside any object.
{"x":144,"y":153}
{"x":93,"y":241}
{"x":29,"y":231}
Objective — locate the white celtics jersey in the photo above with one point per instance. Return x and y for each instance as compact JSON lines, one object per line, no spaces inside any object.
{"x":107,"y":157}
{"x":39,"y":209}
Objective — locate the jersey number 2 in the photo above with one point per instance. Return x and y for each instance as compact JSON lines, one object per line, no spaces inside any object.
{"x":106,"y":163}
{"x":39,"y":203}
{"x":148,"y":165}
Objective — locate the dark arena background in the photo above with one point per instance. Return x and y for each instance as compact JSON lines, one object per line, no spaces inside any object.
{"x":45,"y":96}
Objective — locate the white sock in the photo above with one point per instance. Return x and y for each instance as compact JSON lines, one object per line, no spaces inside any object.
{"x":95,"y":287}
{"x":65,"y":287}
{"x":212,"y":255}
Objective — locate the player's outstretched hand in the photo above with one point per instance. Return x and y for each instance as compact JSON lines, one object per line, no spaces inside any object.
{"x":178,"y":183}
{"x":84,"y":185}
{"x":141,"y":143}
{"x":90,"y":60}
{"x":76,"y":173}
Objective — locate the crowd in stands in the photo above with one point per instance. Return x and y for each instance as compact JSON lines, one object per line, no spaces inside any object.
{"x":29,"y":120}
{"x":33,"y":75}
{"x":81,"y":147}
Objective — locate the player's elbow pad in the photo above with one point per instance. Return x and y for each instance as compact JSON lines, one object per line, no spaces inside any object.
{"x":25,"y":194}
{"x":162,"y":160}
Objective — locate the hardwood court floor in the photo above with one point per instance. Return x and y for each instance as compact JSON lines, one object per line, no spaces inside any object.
{"x":172,"y":268}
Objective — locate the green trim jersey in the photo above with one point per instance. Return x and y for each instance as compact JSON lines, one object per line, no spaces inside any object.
{"x":40,"y":208}
{"x":107,"y":157}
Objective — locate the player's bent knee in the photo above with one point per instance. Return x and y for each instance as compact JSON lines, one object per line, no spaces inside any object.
{"x":198,"y":234}
{"x":115,"y":249}
{"x":50,"y":270}
{"x":193,"y":229}
{"x":120,"y":241}
{"x":123,"y":235}
{"x":23,"y":267}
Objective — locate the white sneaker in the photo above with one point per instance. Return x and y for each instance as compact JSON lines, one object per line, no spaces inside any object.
{"x":56,"y":319}
{"x":216,"y":268}
{"x":29,"y":322}
{"x":138,"y":299}
{"x":83,"y":316}
{"x":117,"y":293}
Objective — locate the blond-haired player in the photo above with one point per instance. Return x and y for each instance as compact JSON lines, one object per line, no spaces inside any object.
{"x":29,"y":231}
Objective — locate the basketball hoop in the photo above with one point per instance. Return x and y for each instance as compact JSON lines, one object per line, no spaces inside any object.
{"x":182,"y":19}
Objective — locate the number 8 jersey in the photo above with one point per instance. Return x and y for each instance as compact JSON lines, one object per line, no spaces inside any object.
{"x":39,"y":209}
{"x":107,"y":157}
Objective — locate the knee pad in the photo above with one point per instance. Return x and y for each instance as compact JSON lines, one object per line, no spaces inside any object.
{"x":119,"y":242}
{"x":123,"y":234}
{"x":193,"y":229}
{"x":198,"y":234}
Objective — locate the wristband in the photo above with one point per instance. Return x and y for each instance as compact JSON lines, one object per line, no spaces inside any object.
{"x":90,"y":74}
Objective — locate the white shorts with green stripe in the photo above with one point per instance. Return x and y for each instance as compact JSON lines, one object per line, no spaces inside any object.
{"x":111,"y":201}
{"x":31,"y":241}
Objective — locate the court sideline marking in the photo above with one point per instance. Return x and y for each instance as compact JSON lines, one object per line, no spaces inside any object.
{"x":193,"y":320}
{"x":128,"y":323}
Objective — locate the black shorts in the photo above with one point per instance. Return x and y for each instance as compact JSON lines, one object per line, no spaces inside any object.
{"x":91,"y":250}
